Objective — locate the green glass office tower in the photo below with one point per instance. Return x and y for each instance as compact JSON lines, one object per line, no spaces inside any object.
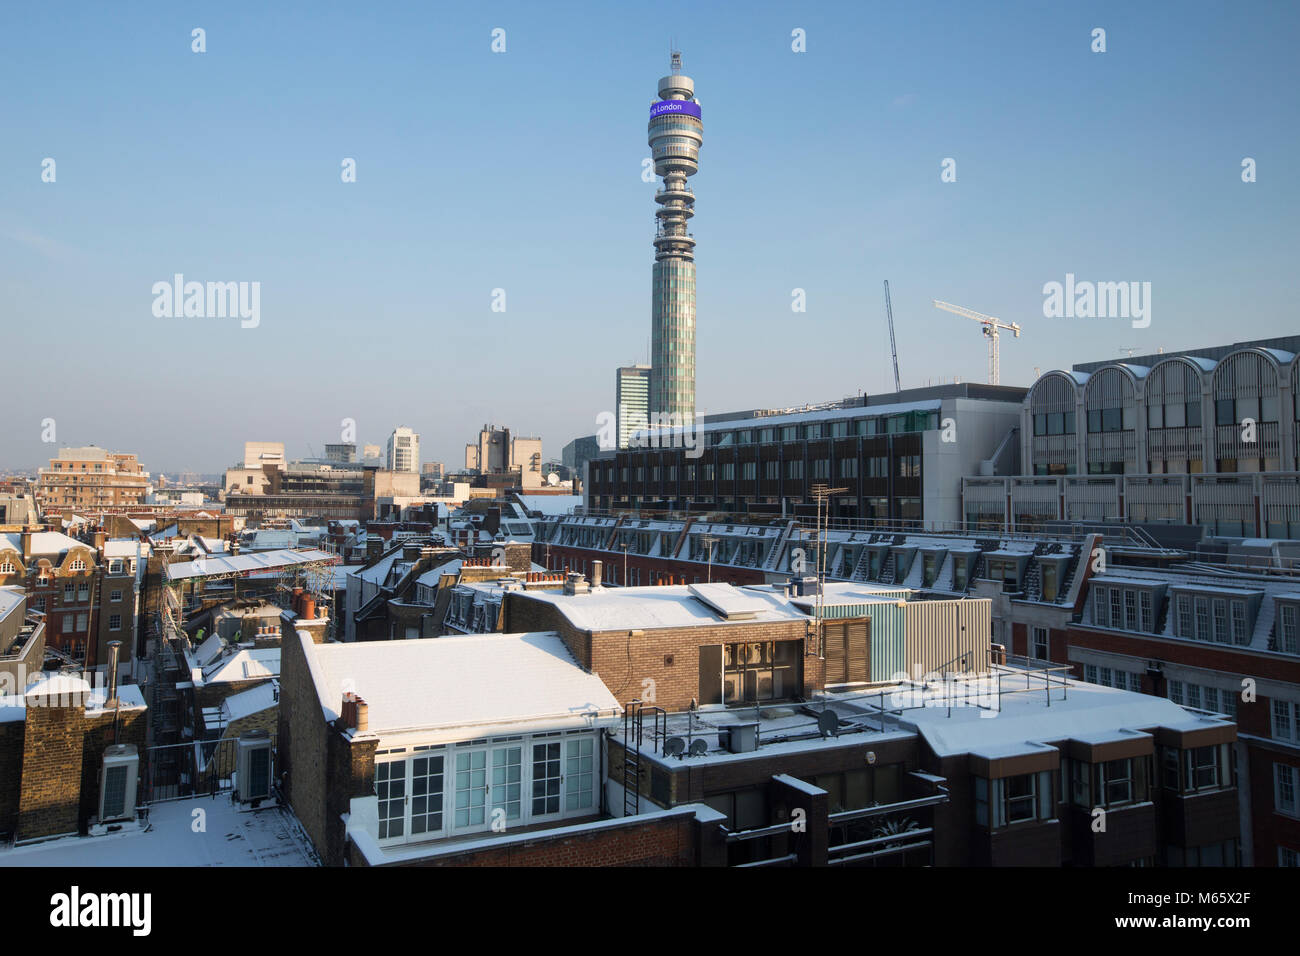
{"x":676,"y":133}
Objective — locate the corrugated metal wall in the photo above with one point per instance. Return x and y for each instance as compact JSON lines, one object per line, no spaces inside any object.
{"x":887,"y":655}
{"x":935,"y":633}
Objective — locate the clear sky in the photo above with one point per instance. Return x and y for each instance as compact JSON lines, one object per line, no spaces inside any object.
{"x":522,"y":171}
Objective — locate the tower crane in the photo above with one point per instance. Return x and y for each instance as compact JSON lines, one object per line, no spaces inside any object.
{"x":992,"y":326}
{"x":889,"y":312}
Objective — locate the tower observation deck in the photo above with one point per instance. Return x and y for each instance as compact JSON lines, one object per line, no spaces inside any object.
{"x":676,"y":133}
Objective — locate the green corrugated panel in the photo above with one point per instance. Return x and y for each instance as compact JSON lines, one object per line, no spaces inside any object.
{"x":887,"y":657}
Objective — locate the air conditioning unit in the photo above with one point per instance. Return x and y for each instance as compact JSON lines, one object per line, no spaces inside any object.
{"x":117,"y":783}
{"x":738,"y":738}
{"x":253,"y":767}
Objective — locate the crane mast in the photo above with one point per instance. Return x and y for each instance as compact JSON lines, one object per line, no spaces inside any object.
{"x":991,"y":327}
{"x":889,"y":312}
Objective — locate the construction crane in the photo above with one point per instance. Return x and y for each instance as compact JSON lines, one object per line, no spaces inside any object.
{"x":889,"y":312}
{"x":991,"y":330}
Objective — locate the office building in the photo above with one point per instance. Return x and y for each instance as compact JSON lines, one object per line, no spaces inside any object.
{"x":404,"y":450}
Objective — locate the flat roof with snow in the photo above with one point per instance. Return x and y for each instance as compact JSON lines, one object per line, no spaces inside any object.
{"x":1082,"y":712}
{"x":455,"y":688}
{"x":643,"y":608}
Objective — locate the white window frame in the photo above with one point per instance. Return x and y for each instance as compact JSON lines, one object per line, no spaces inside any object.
{"x":1282,"y":723}
{"x":1286,"y":778}
{"x":1041,"y":638}
{"x":505,"y":777}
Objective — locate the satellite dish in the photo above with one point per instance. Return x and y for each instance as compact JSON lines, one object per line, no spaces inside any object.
{"x":699,"y":747}
{"x":674,"y":747}
{"x":828,"y":722}
{"x":552,"y":479}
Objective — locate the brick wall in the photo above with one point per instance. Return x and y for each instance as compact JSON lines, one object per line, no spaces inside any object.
{"x":624,"y":663}
{"x":268,"y":720}
{"x":321,"y":769}
{"x":301,"y":742}
{"x":663,"y":841}
{"x":53,"y":743}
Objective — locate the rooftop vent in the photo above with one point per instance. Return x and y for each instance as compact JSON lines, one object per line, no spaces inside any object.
{"x":738,"y":738}
{"x":575,"y":583}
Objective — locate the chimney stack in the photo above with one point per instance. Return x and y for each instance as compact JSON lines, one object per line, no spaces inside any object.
{"x":362,"y":715}
{"x":596,"y":567}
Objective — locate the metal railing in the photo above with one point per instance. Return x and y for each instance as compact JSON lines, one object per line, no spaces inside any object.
{"x":191,"y":769}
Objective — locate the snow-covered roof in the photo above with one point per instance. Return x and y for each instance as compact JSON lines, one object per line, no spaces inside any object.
{"x":10,"y":598}
{"x":431,"y":577}
{"x":43,"y":542}
{"x":244,"y":563}
{"x":232,"y":837}
{"x":641,"y":608}
{"x":377,"y":573}
{"x":461,"y":687}
{"x":1026,"y":720}
{"x":251,"y":701}
{"x":125,"y":548}
{"x":58,"y":689}
{"x":209,"y":650}
{"x":246,"y":664}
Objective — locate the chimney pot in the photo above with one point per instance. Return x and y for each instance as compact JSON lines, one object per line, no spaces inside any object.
{"x":362,"y":715}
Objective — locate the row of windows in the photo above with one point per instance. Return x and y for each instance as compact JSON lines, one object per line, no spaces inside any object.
{"x":813,"y":431}
{"x":1227,"y":411}
{"x":1220,"y":620}
{"x":1028,"y":797}
{"x":908,"y":466}
{"x":1108,"y":677}
{"x":1129,"y":608}
{"x":1202,"y":697}
{"x":507,"y":783}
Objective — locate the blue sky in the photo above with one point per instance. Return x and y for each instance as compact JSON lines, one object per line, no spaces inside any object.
{"x":521,"y":171}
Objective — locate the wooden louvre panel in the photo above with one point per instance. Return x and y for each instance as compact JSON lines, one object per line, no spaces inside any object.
{"x":836,"y":662}
{"x":856,"y":639}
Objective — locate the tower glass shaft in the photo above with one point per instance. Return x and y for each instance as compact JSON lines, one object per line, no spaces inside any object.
{"x":676,"y":133}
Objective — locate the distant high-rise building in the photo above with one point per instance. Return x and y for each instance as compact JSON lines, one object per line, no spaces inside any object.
{"x":371,"y":454}
{"x":403,"y":450}
{"x":433,"y":469}
{"x":676,"y":133}
{"x":497,"y":452}
{"x":345,"y":454}
{"x":632,"y":400}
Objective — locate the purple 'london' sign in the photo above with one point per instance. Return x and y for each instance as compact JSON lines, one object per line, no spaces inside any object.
{"x":674,"y":106}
